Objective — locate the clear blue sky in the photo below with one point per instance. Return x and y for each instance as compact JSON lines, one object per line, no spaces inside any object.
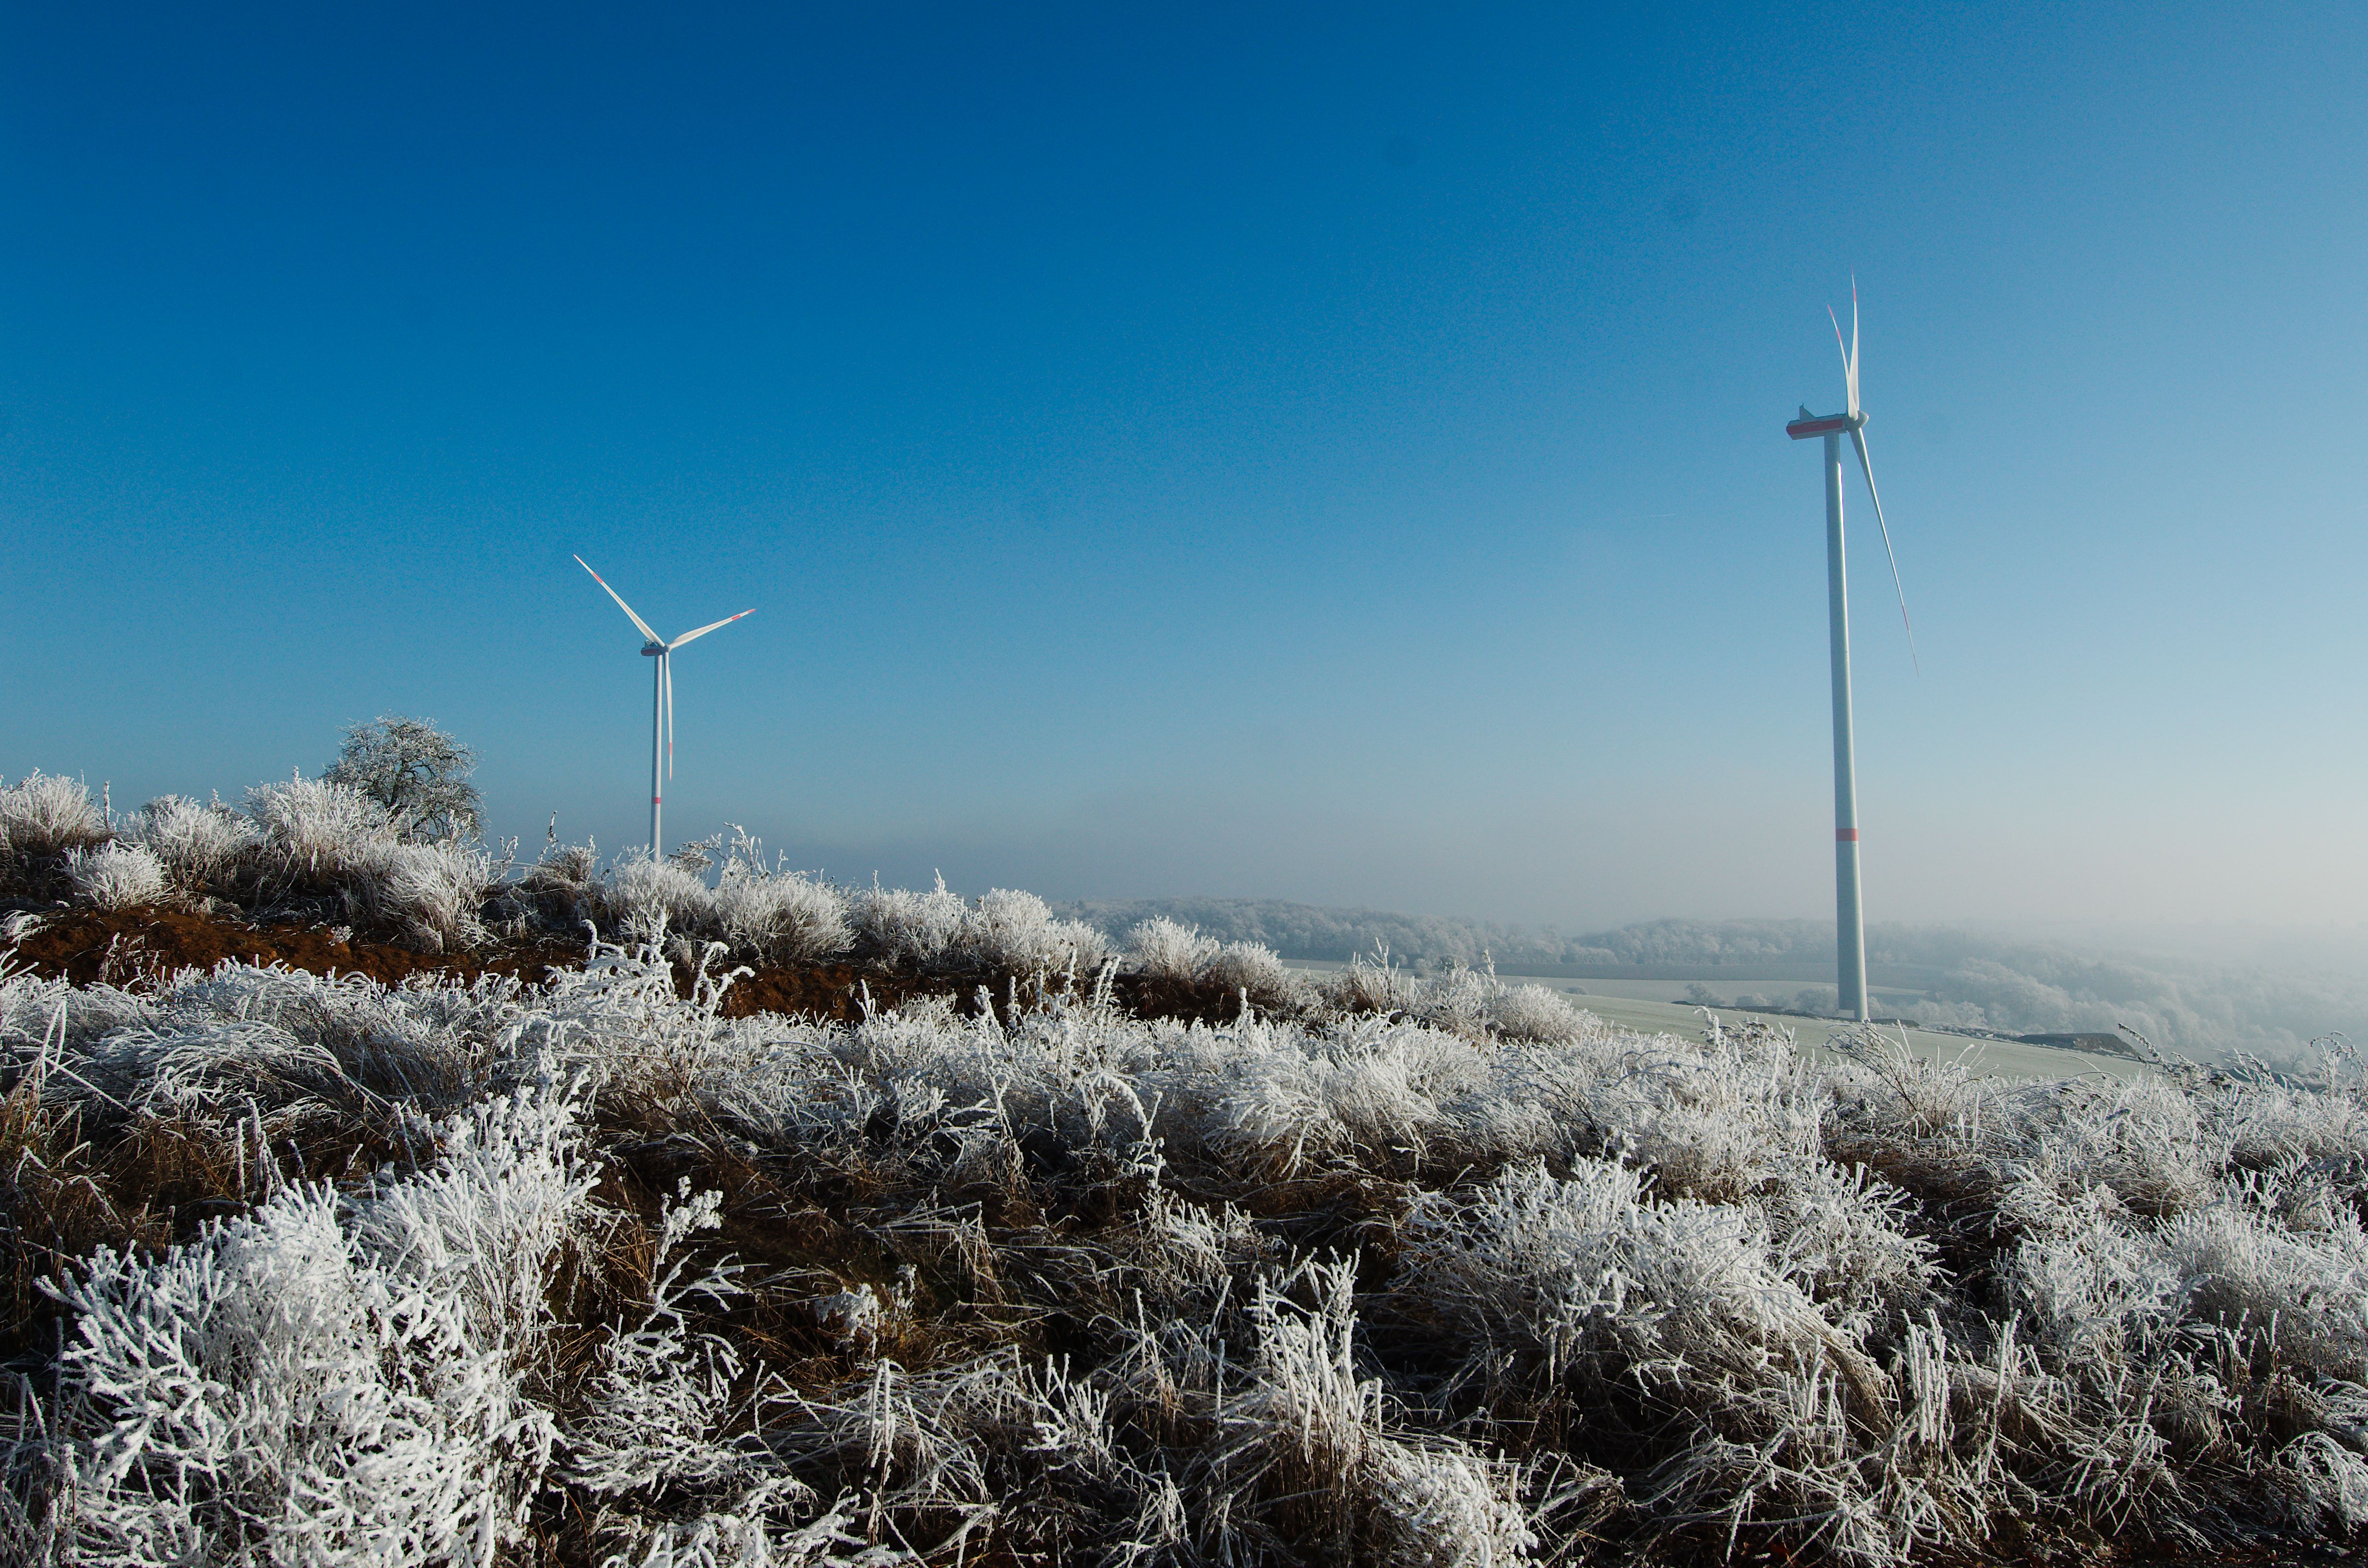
{"x":1330,"y":453}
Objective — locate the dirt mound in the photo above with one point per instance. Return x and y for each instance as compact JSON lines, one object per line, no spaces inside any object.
{"x":129,"y":947}
{"x":143,"y":947}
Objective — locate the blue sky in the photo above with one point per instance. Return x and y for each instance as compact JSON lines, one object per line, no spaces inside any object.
{"x":1331,"y":453}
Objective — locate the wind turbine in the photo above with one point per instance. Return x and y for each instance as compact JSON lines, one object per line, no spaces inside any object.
{"x":661,"y":698}
{"x":1849,"y":921}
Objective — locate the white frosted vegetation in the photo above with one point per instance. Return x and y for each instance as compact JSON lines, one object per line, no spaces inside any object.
{"x":198,"y":845}
{"x":42,"y":814}
{"x":114,"y":876}
{"x":1166,"y":950}
{"x":769,"y":914}
{"x":936,"y":929}
{"x":327,"y":1379}
{"x":302,"y":848}
{"x":1467,"y":1278}
{"x":778,"y":916}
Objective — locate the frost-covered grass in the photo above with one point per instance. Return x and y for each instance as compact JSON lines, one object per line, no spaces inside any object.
{"x":116,"y":875}
{"x":1366,"y":1266}
{"x":1383,"y":1270}
{"x":42,"y":815}
{"x":305,"y":848}
{"x":321,"y":849}
{"x":198,"y":846}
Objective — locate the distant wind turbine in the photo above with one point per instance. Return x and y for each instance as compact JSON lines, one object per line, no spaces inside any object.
{"x":661,"y":700}
{"x":1849,"y":921}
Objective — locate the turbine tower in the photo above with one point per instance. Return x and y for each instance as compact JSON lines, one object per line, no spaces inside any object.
{"x":661,"y":700}
{"x":1849,"y":921}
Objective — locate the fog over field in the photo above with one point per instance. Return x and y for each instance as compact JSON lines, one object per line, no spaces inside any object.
{"x":2263,"y":993}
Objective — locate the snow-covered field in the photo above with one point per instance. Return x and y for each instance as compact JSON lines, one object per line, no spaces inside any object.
{"x":308,"y":1270}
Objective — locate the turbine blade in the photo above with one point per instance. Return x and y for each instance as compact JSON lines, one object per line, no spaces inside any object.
{"x":667,"y":665}
{"x":690,"y":636}
{"x":1866,"y":465}
{"x":1854,"y":354}
{"x":621,"y":604}
{"x":1849,"y":368}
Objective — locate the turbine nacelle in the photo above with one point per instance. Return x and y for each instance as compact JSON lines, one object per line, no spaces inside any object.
{"x":1810,"y":425}
{"x":652,"y":650}
{"x":1852,"y":422}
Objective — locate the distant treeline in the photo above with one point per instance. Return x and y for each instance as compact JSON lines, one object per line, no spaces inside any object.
{"x":1979,"y":979}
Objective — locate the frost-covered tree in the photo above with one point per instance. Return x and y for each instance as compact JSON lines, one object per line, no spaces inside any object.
{"x":418,"y":772}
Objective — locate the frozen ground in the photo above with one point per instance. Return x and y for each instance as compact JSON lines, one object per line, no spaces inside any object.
{"x":1654,"y":1007}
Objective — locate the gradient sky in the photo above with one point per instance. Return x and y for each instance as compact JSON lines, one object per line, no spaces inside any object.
{"x":1310,"y":452}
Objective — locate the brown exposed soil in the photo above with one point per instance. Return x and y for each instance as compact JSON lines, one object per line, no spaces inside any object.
{"x":146,"y":947}
{"x":131,"y":947}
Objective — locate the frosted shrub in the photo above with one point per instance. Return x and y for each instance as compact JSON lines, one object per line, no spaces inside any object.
{"x":304,"y":1384}
{"x":1846,"y":1237}
{"x":644,"y":898}
{"x":1586,"y":1272}
{"x":1719,"y":1119}
{"x":661,"y":1390}
{"x":1321,"y":1430}
{"x":1475,"y":1003}
{"x":1470,"y":1001}
{"x":198,"y":846}
{"x":1252,"y":970}
{"x":1016,"y":931}
{"x":2099,"y":1280}
{"x":1693,"y":1308}
{"x":43,"y":815}
{"x":314,"y":847}
{"x":759,"y":913}
{"x":114,"y":876}
{"x":2240,"y":1267}
{"x":317,"y":836}
{"x":560,"y":889}
{"x":1003,"y":930}
{"x":1902,"y":1102}
{"x":778,"y":916}
{"x":1533,"y":1012}
{"x":1165,"y":950}
{"x":2264,"y":1125}
{"x":1459,"y":1001}
{"x":433,"y":890}
{"x":914,"y":930}
{"x":316,"y":827}
{"x":1366,"y":986}
{"x":2142,"y":1137}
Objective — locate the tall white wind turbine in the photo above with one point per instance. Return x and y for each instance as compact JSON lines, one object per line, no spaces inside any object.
{"x":1849,"y":921}
{"x":661,"y":700}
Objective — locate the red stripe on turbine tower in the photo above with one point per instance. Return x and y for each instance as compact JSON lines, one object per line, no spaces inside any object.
{"x":1850,"y":923}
